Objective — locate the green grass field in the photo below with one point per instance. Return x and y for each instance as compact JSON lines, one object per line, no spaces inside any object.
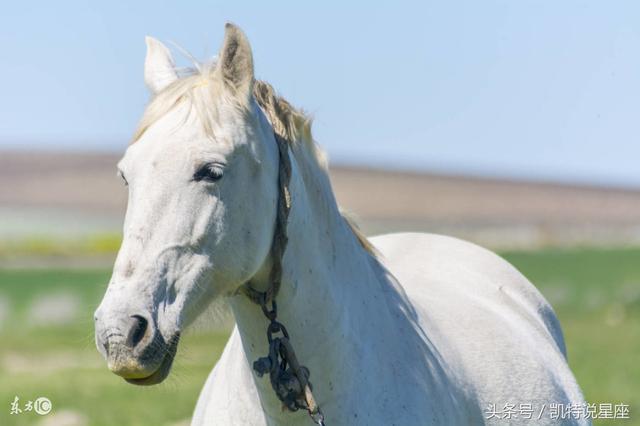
{"x":595,"y":292}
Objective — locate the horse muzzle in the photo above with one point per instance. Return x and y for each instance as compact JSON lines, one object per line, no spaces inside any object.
{"x":134,"y":348}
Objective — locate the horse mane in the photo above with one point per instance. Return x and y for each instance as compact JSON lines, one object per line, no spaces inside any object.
{"x":290,"y":123}
{"x":293,"y":125}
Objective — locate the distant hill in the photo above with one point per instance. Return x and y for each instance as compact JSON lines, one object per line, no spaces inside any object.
{"x":70,"y":193}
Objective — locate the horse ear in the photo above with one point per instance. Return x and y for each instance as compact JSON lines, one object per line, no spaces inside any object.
{"x":159,"y":68}
{"x":235,"y":64}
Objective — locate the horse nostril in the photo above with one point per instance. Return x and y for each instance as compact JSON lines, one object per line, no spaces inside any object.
{"x":137,"y":330}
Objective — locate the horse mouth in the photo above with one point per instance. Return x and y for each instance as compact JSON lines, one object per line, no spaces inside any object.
{"x":163,"y":370}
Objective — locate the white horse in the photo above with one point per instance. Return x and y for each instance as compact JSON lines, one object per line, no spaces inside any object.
{"x":417,"y":330}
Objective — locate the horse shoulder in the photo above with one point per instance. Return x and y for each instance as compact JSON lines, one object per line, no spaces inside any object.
{"x":229,"y":396}
{"x":494,"y":331}
{"x":430,"y":265}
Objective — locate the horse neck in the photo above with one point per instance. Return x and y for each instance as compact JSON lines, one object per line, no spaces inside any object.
{"x":328,"y":293}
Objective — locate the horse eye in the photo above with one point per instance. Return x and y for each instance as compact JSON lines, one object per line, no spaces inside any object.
{"x":208,"y":173}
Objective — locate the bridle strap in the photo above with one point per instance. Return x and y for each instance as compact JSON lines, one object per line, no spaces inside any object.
{"x":279,"y":242}
{"x":289,"y":379}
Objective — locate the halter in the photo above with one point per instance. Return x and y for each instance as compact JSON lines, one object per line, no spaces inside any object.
{"x":289,"y":379}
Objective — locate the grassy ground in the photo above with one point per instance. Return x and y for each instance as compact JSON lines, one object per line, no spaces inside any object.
{"x":596,"y":294}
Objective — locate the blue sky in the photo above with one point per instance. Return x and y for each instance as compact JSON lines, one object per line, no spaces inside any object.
{"x":533,"y":89}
